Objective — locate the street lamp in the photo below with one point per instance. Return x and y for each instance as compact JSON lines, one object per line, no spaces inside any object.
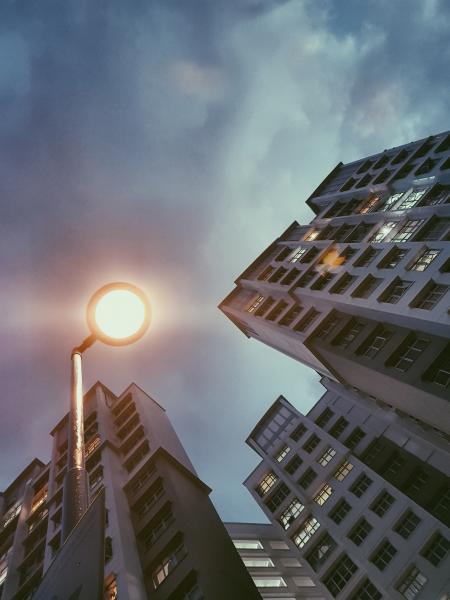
{"x":118,"y":314}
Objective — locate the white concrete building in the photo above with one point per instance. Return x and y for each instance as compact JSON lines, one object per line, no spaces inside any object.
{"x":360,"y":294}
{"x":164,"y":539}
{"x":360,"y":493}
{"x":272,"y":563}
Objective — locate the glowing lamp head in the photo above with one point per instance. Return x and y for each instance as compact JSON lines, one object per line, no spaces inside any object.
{"x":118,"y":314}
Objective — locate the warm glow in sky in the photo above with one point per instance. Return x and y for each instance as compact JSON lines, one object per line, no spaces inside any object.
{"x":119,"y":313}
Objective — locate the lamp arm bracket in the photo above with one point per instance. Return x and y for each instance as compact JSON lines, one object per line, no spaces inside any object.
{"x":85,"y":344}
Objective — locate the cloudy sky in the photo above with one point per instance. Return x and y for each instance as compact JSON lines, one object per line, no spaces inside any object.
{"x":168,"y":143}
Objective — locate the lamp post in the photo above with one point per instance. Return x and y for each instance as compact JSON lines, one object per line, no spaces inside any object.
{"x":118,"y":314}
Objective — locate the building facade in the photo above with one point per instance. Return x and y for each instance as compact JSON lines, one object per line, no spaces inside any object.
{"x":361,"y":293}
{"x":360,"y":492}
{"x":160,"y":525}
{"x":272,"y":563}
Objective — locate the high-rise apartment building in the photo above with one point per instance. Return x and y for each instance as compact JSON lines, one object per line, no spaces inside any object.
{"x":361,"y":294}
{"x":164,"y":539}
{"x":273,"y":565}
{"x":360,"y":493}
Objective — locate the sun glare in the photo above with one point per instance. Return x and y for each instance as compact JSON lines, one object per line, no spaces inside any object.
{"x":119,"y":314}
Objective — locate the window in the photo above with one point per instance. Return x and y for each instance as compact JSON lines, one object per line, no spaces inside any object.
{"x":365,"y":289}
{"x":327,"y":456}
{"x":435,"y":229}
{"x":376,"y":342}
{"x":276,"y":312}
{"x":108,"y":549}
{"x":279,"y":273}
{"x":258,"y":562}
{"x":262,"y":582}
{"x":393,"y":258}
{"x":265,"y":274}
{"x":328,"y":325}
{"x":359,"y":532}
{"x":340,"y":575}
{"x":149,"y":499}
{"x":346,"y":254}
{"x":407,"y":524}
{"x":412,"y":583}
{"x":311,"y":235}
{"x":255,"y":303}
{"x":167,"y":564}
{"x":291,"y":315}
{"x":248,"y":544}
{"x":343,"y":283}
{"x":439,"y":372}
{"x":323,"y":494}
{"x":93,"y":445}
{"x":304,"y":323}
{"x":390,"y":201}
{"x":264,"y":306}
{"x":283,"y":254}
{"x":433,"y":293}
{"x":277,"y":497}
{"x":297,"y":254}
{"x":305,"y":532}
{"x":282,"y":453}
{"x":436,"y":550}
{"x":340,"y":511}
{"x":307,"y":478}
{"x":343,"y":471}
{"x":298,"y":432}
{"x":289,"y":515}
{"x":407,"y":230}
{"x":266,"y":483}
{"x":411,"y":199}
{"x":395,"y":291}
{"x":321,"y":552}
{"x":349,"y":333}
{"x":383,"y":555}
{"x":311,"y":443}
{"x":367,"y":591}
{"x":293,"y":464}
{"x":324,"y":417}
{"x":157,"y":526}
{"x":354,"y":438}
{"x":384,"y":231}
{"x":361,"y":485}
{"x":417,"y":481}
{"x":290,"y":277}
{"x":323,"y":280}
{"x":359,"y":232}
{"x":408,"y":352}
{"x":394,"y":466}
{"x":424,"y":260}
{"x":382,"y":504}
{"x":338,"y":427}
{"x":367,"y":257}
{"x":369,"y":205}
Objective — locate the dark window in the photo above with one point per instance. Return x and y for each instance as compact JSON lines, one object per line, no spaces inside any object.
{"x":298,"y":432}
{"x":323,"y":280}
{"x":306,"y":278}
{"x":276,"y":312}
{"x":264,"y":306}
{"x":441,"y":505}
{"x":279,"y":273}
{"x":439,"y":194}
{"x":293,"y":464}
{"x":346,"y":254}
{"x":108,"y":549}
{"x":364,"y":181}
{"x":416,"y":483}
{"x":430,"y":296}
{"x":307,"y":478}
{"x":338,"y":427}
{"x":291,"y":315}
{"x":328,"y":325}
{"x":343,"y":283}
{"x":439,"y":372}
{"x":367,"y":591}
{"x":340,"y":575}
{"x":324,"y":417}
{"x":383,"y":160}
{"x":367,"y":257}
{"x":407,"y":524}
{"x":366,"y":165}
{"x":290,"y":277}
{"x":408,"y":353}
{"x":349,"y":333}
{"x":348,"y":184}
{"x":427,"y":166}
{"x":394,"y":466}
{"x":340,"y":511}
{"x":321,"y":551}
{"x":283,"y":254}
{"x":395,"y":291}
{"x":361,"y":485}
{"x":436,"y":549}
{"x":373,"y":345}
{"x":343,"y":232}
{"x":424,"y":148}
{"x":383,"y":176}
{"x":383,"y":555}
{"x":382,"y":503}
{"x":359,"y":232}
{"x":277,"y":497}
{"x":444,"y":145}
{"x":311,"y":443}
{"x":265,"y":273}
{"x":365,"y":289}
{"x":435,"y":229}
{"x":359,"y":532}
{"x":354,"y":438}
{"x":310,"y":255}
{"x":307,"y":320}
{"x":400,"y":157}
{"x":393,"y":258}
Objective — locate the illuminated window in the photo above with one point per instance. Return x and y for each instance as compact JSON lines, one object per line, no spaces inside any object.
{"x":407,"y":231}
{"x":412,"y":583}
{"x":327,"y":456}
{"x":297,"y":254}
{"x":384,"y":231}
{"x":306,"y":531}
{"x":262,"y":582}
{"x":311,"y":235}
{"x":93,"y":445}
{"x":388,"y":205}
{"x":282,"y":453}
{"x":424,"y":260}
{"x":39,"y":499}
{"x":3,"y":574}
{"x":289,"y":515}
{"x":323,"y":494}
{"x":248,"y":544}
{"x":258,"y":562}
{"x":343,"y":471}
{"x":411,"y":199}
{"x":11,"y":514}
{"x":369,"y":205}
{"x":267,"y":482}
{"x":111,"y":592}
{"x":167,"y":564}
{"x":255,"y":303}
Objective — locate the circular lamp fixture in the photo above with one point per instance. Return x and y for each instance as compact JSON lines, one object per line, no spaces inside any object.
{"x":118,"y":314}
